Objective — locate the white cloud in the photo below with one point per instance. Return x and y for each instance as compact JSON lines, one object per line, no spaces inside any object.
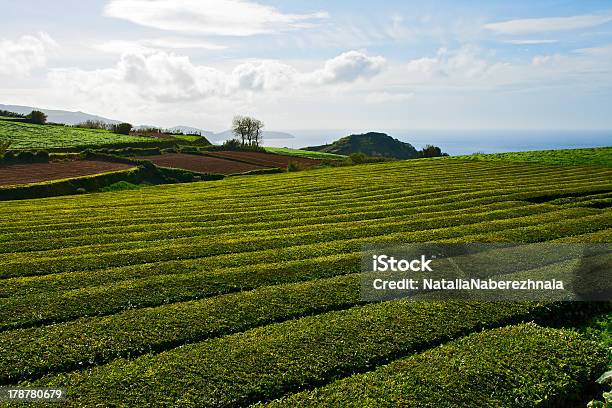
{"x":21,"y":56}
{"x":166,"y":77}
{"x":217,"y":17}
{"x":536,"y":25}
{"x":464,"y":62}
{"x":348,"y":67}
{"x":154,"y":45}
{"x":530,"y":42}
{"x":388,"y":97}
{"x":264,"y":75}
{"x":159,"y":76}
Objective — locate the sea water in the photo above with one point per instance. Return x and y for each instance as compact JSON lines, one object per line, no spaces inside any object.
{"x":460,"y":142}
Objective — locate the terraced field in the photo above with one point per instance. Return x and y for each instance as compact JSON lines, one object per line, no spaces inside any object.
{"x":28,"y":136}
{"x":246,"y":290}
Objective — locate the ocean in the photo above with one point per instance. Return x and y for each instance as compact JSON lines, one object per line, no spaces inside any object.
{"x":460,"y":142}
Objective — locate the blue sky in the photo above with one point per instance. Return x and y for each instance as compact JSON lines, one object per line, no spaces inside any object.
{"x":314,"y":64}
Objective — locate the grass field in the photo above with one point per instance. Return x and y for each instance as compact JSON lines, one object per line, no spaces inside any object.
{"x":28,"y":136}
{"x":246,"y":290}
{"x":597,"y":156}
{"x":304,"y":153}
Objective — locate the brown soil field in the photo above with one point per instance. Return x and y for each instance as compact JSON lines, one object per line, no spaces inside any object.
{"x":266,"y":159}
{"x":15,"y":174}
{"x":202,"y":164}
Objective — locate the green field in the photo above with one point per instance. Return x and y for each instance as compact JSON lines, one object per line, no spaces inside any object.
{"x":304,"y":153}
{"x":28,"y":136}
{"x":598,"y":156}
{"x":246,"y":290}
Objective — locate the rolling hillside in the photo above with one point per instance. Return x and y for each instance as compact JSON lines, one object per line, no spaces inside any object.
{"x":247,"y":290}
{"x":59,"y":116}
{"x":371,"y":144}
{"x":29,"y":136}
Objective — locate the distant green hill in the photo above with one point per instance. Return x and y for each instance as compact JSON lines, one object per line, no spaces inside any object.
{"x":371,"y":144}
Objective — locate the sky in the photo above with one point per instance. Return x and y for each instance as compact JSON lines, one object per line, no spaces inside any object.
{"x":299,"y":65}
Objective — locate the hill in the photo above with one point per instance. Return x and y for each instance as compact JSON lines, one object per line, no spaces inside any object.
{"x":29,"y":136}
{"x":59,"y":116}
{"x":372,"y":144}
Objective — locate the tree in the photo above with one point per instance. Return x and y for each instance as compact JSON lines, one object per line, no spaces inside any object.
{"x":37,"y":117}
{"x":122,"y":128}
{"x":248,"y":130}
{"x":92,"y":124}
{"x":431,"y":151}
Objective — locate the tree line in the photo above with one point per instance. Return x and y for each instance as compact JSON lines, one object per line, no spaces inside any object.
{"x":248,"y":130}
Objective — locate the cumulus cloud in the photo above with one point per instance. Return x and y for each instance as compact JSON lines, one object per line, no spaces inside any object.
{"x":21,"y":56}
{"x":165,"y":76}
{"x":159,"y":76}
{"x":348,"y":67}
{"x":535,"y":25}
{"x":217,"y":17}
{"x":265,"y":75}
{"x":464,"y":62}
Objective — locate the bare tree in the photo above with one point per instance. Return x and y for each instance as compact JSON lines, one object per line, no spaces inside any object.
{"x":248,"y":129}
{"x":239,"y":128}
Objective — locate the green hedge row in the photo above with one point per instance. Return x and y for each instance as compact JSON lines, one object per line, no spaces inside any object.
{"x":317,"y":196}
{"x":24,"y":157}
{"x":28,"y":353}
{"x":42,"y":240}
{"x":265,"y":259}
{"x":516,"y":366}
{"x":188,"y":204}
{"x":270,"y":361}
{"x":106,"y":255}
{"x":186,"y":281}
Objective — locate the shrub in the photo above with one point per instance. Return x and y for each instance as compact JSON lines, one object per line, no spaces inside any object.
{"x":9,"y":157}
{"x":294,"y":167}
{"x":25,"y":157}
{"x":361,"y":158}
{"x":41,"y":156}
{"x":122,"y":185}
{"x":122,"y":128}
{"x":92,"y":124}
{"x":606,"y":403}
{"x":37,"y":117}
{"x":232,"y":144}
{"x":3,"y":148}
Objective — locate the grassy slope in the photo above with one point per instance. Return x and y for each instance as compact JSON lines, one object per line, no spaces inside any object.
{"x":29,"y":136}
{"x":304,"y":153}
{"x":127,"y":273}
{"x":597,"y":156}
